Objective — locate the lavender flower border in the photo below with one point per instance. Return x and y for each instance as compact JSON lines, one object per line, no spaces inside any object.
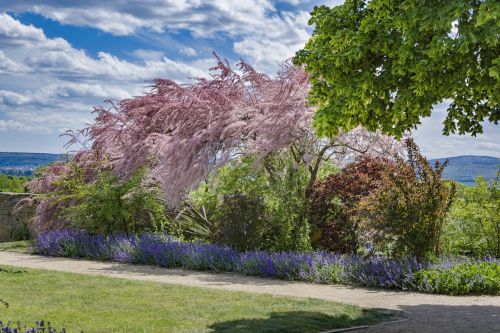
{"x":318,"y":267}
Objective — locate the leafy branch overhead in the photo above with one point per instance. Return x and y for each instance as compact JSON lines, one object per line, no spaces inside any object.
{"x":385,"y":64}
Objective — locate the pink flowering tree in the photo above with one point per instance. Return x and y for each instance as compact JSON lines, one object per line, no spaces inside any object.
{"x":182,"y":132}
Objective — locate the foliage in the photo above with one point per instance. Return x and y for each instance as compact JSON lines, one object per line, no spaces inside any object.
{"x":259,"y":208}
{"x":473,"y":226}
{"x":109,"y":205}
{"x":405,"y":215}
{"x":281,"y":181}
{"x":384,"y":64}
{"x":191,"y":223}
{"x":230,"y":116}
{"x":333,"y":202}
{"x":461,"y":279}
{"x":13,"y":184}
{"x":184,"y":132}
{"x":243,"y":223}
{"x":102,"y":205}
{"x":321,"y":267}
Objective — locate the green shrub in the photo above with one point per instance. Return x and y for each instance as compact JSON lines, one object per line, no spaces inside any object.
{"x":405,"y":216}
{"x":466,"y":278}
{"x":69,"y":249}
{"x":108,"y":205}
{"x":243,"y":223}
{"x":332,"y":274}
{"x":473,"y":225}
{"x":265,"y":205}
{"x":13,"y":183}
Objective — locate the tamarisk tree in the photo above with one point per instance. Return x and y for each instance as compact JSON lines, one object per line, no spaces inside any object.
{"x":182,"y":132}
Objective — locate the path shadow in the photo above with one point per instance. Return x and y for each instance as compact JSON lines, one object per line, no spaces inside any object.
{"x":299,"y":322}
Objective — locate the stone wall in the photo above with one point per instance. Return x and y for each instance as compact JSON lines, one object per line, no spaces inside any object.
{"x":14,"y":222}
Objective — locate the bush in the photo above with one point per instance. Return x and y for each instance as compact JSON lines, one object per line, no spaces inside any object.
{"x":333,"y":203}
{"x":110,"y":205}
{"x":461,"y":279}
{"x":104,"y":205}
{"x":243,"y":223}
{"x":405,"y":215}
{"x":473,"y":225}
{"x":321,"y":267}
{"x":256,"y":208}
{"x":15,"y":184}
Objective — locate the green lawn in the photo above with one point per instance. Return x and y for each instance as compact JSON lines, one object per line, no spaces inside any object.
{"x":18,"y":246}
{"x":100,"y":304}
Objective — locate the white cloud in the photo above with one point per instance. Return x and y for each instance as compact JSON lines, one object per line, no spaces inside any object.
{"x":148,"y":54}
{"x":261,"y":34}
{"x":268,"y":48}
{"x":50,"y":94}
{"x":72,"y":62}
{"x":11,"y":125}
{"x":52,"y":86}
{"x":49,"y":122}
{"x":14,"y":29}
{"x":9,"y":65}
{"x":12,"y":98}
{"x":188,"y":51}
{"x":57,"y":57}
{"x":202,"y":18}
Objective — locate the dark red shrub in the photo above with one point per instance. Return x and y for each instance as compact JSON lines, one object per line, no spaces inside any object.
{"x":333,"y":201}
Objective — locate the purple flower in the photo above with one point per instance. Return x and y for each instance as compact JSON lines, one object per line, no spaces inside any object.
{"x":321,"y":267}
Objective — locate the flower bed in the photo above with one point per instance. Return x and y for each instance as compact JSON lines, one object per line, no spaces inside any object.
{"x":449,"y":276}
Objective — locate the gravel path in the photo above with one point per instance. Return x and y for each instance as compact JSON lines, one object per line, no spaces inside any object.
{"x":425,"y":313}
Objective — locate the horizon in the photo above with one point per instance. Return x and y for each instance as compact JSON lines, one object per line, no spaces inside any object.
{"x":434,"y":158}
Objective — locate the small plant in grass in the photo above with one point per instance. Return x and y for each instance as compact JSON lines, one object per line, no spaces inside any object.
{"x":40,"y":327}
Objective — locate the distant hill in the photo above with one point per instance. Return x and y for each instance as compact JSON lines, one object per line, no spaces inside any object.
{"x":465,"y":168}
{"x":24,"y":164}
{"x":460,"y":168}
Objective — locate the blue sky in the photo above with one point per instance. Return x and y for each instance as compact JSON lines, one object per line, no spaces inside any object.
{"x":59,"y":58}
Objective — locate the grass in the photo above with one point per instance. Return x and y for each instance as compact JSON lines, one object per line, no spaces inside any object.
{"x":101,"y":304}
{"x":18,"y":246}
